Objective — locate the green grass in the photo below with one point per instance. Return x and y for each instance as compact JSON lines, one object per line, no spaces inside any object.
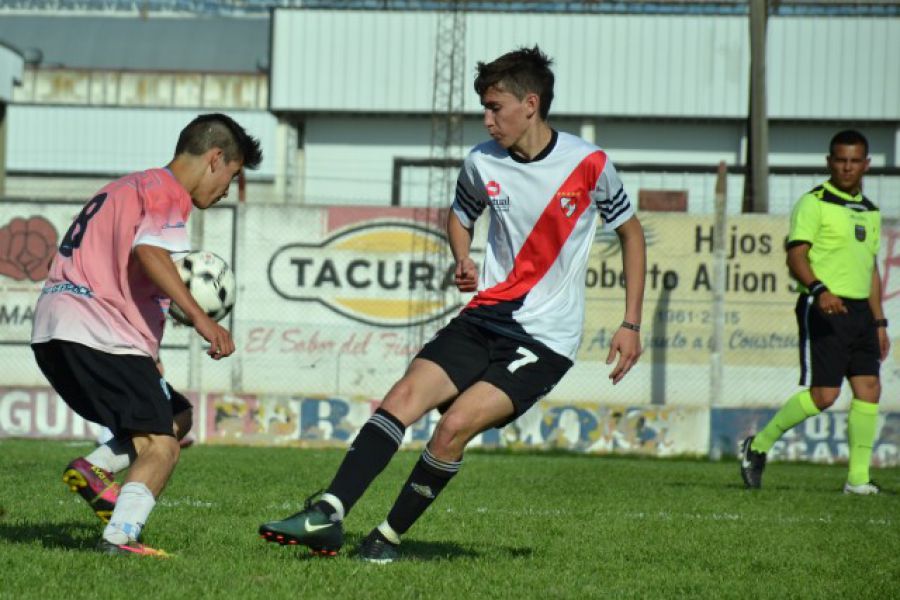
{"x":512,"y":525}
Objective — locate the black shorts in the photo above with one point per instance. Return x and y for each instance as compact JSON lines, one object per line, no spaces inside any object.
{"x":836,"y":346}
{"x":124,"y":392}
{"x":524,"y":371}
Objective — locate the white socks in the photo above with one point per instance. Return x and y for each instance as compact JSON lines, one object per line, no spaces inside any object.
{"x":132,"y":509}
{"x":335,"y":503}
{"x":388,"y":532}
{"x":115,"y":455}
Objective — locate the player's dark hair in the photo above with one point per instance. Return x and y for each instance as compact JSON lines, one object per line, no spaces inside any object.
{"x":215,"y":130}
{"x":520,"y":72}
{"x":848,"y":137}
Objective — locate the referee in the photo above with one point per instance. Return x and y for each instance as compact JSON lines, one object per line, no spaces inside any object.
{"x":831,"y":251}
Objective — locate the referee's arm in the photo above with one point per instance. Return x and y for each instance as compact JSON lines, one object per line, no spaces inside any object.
{"x":798,"y":263}
{"x":884,"y":342}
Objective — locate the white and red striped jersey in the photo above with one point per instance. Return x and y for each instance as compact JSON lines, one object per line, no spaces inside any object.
{"x":543,"y":220}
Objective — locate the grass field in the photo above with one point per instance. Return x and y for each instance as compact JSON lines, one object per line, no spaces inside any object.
{"x":509,"y":526}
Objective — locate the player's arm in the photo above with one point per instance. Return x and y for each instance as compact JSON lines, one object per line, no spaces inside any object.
{"x":460,"y":236}
{"x":627,"y":341}
{"x":158,"y":265}
{"x":884,"y":342}
{"x":798,"y":264}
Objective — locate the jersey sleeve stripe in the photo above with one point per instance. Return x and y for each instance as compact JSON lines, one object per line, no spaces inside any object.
{"x":467,"y":202}
{"x":461,"y":191}
{"x":470,"y":206}
{"x":610,"y":213}
{"x":468,"y":210}
{"x":612,"y":205}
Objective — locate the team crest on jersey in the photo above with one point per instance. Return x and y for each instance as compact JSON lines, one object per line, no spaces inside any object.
{"x":860,"y":232}
{"x":568,"y":201}
{"x":568,"y":205}
{"x":497,"y":198}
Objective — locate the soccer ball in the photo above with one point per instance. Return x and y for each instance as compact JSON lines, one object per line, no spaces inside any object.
{"x":210,"y":281}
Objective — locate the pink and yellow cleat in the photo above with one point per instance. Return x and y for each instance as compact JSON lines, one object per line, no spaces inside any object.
{"x":131,"y":549}
{"x":97,"y":486}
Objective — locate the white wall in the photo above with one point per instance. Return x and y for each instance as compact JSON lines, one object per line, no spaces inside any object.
{"x":85,"y":140}
{"x":624,"y":65}
{"x":349,"y":160}
{"x":611,"y":64}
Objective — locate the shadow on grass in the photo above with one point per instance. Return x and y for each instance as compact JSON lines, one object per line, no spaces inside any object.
{"x":72,"y":535}
{"x":426,"y":551}
{"x":420,"y":551}
{"x":711,"y":484}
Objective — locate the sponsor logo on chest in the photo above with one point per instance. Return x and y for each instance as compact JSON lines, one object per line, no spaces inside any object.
{"x":496,"y":196}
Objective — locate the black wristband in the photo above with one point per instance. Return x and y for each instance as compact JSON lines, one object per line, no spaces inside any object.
{"x":816,"y":288}
{"x":881,"y":322}
{"x":631,"y":326}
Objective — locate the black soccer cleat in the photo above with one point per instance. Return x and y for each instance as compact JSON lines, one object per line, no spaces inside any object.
{"x":376,"y":548}
{"x":310,"y":527}
{"x":753,"y":464}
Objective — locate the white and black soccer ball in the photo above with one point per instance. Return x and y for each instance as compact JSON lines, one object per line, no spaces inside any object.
{"x":210,"y":281}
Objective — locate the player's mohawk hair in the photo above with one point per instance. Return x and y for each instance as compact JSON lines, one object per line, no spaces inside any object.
{"x":520,"y":72}
{"x":215,"y":130}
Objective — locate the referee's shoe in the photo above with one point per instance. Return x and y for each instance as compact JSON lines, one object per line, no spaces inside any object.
{"x":753,"y":464}
{"x":869,"y":488}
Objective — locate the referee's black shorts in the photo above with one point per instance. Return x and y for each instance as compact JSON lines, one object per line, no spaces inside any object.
{"x":833,"y":347}
{"x":124,"y":392}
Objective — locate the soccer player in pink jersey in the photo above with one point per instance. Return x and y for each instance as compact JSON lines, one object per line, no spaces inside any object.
{"x":99,"y":321}
{"x":545,"y":191}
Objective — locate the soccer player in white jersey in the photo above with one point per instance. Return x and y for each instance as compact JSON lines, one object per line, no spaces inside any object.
{"x":545,"y":192}
{"x":100,"y":318}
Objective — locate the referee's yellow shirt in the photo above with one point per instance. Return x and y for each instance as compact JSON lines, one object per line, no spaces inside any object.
{"x":844,"y":232}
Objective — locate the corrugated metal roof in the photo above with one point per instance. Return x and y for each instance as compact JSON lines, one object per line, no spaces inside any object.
{"x":833,"y":68}
{"x":206,"y":44}
{"x":363,"y":61}
{"x":678,"y":66}
{"x":236,"y":7}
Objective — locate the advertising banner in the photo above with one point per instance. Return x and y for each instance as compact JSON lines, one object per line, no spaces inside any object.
{"x":822,"y":438}
{"x":39,"y":412}
{"x":335,"y":301}
{"x":678,"y":313}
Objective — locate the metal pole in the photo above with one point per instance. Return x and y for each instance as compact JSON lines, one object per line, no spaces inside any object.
{"x":2,"y":149}
{"x":716,"y":366}
{"x":759,"y":128}
{"x":195,"y":350}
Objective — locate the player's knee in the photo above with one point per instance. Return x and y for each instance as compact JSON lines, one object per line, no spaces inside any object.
{"x":869,"y":391}
{"x":450,"y":437}
{"x":183,"y":423}
{"x":400,"y":399}
{"x":164,"y":448}
{"x":824,"y":398}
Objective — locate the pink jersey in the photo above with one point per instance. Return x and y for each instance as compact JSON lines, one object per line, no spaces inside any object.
{"x":96,"y":293}
{"x":544,"y":216}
